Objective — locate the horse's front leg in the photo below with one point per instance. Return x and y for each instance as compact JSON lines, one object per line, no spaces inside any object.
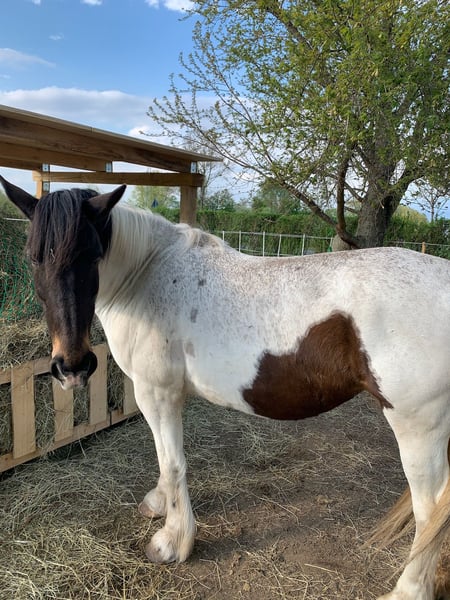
{"x":162,"y":410}
{"x":153,"y":505}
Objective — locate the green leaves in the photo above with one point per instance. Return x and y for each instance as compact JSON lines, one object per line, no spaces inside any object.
{"x":292,"y":89}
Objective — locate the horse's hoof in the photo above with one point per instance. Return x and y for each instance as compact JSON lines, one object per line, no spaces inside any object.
{"x":160,"y":550}
{"x":148,"y":512}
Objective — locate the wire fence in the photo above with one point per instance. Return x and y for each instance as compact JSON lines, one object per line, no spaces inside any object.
{"x":442,"y":250}
{"x":275,"y":244}
{"x":283,"y":244}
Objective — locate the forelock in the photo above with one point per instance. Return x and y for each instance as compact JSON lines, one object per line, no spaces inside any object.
{"x":55,"y":228}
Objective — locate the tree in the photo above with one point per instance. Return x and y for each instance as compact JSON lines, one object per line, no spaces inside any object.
{"x":430,"y":199}
{"x":334,"y":101}
{"x":275,"y":198}
{"x":148,"y":197}
{"x":220,"y":200}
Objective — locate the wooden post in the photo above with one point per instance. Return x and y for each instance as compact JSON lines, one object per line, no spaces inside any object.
{"x":98,"y":388}
{"x":22,"y":406}
{"x":42,"y":185}
{"x":63,"y":402}
{"x":424,"y":247}
{"x":188,"y":204}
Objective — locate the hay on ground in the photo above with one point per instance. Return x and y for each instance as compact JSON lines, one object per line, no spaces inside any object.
{"x":282,"y":510}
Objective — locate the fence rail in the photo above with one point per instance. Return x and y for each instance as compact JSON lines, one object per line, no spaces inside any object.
{"x":19,"y":383}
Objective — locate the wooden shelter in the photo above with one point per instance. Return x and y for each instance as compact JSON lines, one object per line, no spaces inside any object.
{"x":36,"y":142}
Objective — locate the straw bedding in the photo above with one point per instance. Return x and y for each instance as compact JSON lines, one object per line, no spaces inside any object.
{"x":282,"y":509}
{"x":282,"y":512}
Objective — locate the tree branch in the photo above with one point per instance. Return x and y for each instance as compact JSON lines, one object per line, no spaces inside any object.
{"x":341,"y":227}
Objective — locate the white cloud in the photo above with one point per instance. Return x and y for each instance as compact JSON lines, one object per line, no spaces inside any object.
{"x":110,"y":109}
{"x":16,"y":59}
{"x":92,"y":2}
{"x":37,"y":2}
{"x":178,"y":5}
{"x":56,"y":37}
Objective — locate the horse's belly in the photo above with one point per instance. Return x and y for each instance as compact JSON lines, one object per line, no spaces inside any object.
{"x":327,"y":367}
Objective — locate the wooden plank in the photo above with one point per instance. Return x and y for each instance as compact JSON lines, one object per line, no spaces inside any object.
{"x":132,"y":178}
{"x":63,"y":403}
{"x":17,"y":163}
{"x":8,"y":461}
{"x":129,"y":400}
{"x":93,"y":145}
{"x":98,"y":387}
{"x":41,"y":365}
{"x":11,"y":115}
{"x":22,"y":406}
{"x":36,"y":156}
{"x":117,"y":416}
{"x":22,"y":381}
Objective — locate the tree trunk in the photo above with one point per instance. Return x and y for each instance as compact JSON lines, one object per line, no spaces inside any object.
{"x":373,"y":222}
{"x":377,"y":209}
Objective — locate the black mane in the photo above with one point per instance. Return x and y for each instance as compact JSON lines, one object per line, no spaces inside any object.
{"x":55,"y":230}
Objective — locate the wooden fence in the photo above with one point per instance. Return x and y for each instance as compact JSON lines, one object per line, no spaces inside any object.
{"x":21,"y":380}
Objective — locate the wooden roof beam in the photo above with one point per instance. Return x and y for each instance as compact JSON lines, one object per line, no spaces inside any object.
{"x":76,"y":145}
{"x":129,"y":178}
{"x":37,"y":156}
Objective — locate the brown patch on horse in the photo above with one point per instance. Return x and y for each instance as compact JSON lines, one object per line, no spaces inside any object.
{"x":328,"y":367}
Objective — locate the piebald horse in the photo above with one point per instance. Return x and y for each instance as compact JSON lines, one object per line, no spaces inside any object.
{"x":282,"y":338}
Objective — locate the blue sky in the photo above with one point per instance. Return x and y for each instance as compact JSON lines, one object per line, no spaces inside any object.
{"x":95,"y":62}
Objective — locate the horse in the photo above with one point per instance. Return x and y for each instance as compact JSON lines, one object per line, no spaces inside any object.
{"x":284,"y":338}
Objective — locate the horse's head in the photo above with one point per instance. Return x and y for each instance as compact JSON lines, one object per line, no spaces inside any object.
{"x":69,"y":234}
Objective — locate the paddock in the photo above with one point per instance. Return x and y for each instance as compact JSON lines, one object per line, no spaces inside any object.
{"x":283,"y":511}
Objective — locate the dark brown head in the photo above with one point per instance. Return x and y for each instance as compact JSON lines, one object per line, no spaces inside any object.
{"x":70,"y":233}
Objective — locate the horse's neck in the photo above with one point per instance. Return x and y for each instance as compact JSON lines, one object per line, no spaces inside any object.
{"x":138,"y":240}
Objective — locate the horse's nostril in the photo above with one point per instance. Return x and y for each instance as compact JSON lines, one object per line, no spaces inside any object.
{"x":56,"y":368}
{"x":73,"y":375}
{"x":92,"y":363}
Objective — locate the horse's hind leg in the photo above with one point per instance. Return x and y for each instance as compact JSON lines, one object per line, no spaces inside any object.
{"x":162,"y":410}
{"x":423,"y":442}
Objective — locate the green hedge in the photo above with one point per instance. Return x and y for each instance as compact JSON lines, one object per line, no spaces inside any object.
{"x":401,"y":229}
{"x":17,"y":300}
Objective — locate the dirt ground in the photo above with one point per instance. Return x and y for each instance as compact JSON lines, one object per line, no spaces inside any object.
{"x":283,"y":511}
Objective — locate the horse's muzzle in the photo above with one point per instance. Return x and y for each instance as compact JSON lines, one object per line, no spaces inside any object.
{"x":71,"y":376}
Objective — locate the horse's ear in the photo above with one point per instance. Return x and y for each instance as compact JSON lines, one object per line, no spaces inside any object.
{"x":22,"y":199}
{"x":101,"y":205}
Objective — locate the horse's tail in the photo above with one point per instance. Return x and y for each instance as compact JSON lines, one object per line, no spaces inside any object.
{"x":438,"y":524}
{"x":399,"y":520}
{"x":395,"y":524}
